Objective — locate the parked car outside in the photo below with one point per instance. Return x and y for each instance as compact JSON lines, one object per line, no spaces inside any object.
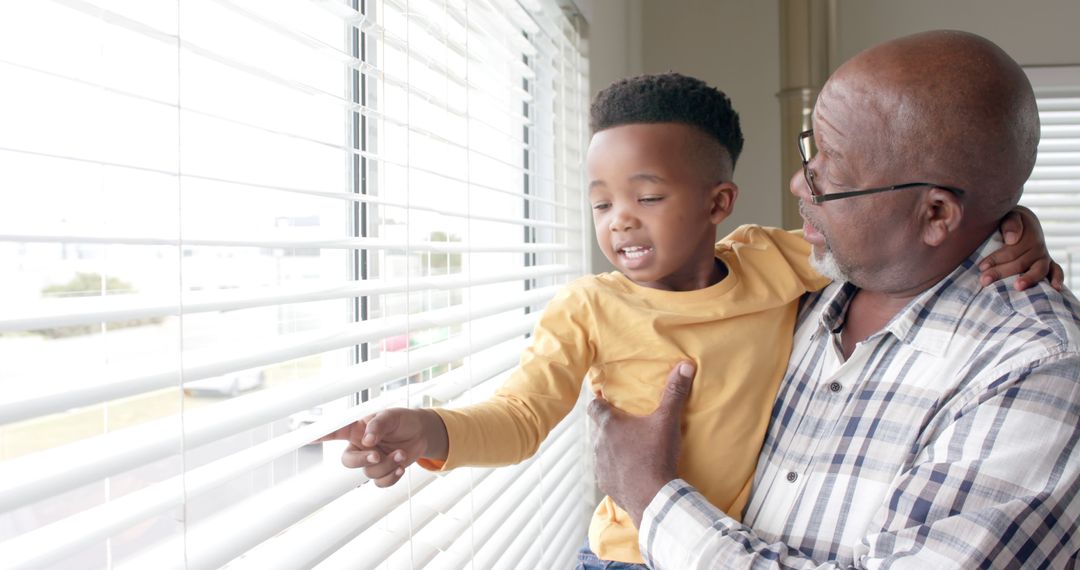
{"x":227,"y":385}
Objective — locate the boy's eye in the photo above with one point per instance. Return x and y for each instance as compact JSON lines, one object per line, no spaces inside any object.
{"x":650,"y":199}
{"x":601,"y":205}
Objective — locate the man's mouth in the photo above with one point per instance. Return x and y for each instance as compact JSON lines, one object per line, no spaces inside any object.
{"x":811,"y":233}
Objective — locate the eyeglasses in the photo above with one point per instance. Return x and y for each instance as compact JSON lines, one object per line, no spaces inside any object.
{"x":808,"y":149}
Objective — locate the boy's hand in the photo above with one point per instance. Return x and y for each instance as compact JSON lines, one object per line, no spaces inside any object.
{"x":387,"y":442}
{"x":1024,"y":254}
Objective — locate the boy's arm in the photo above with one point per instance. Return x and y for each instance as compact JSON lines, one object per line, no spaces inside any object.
{"x":510,"y":426}
{"x":1024,"y":254}
{"x":506,"y":429}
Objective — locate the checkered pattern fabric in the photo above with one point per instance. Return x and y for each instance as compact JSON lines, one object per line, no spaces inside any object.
{"x":947,"y":440}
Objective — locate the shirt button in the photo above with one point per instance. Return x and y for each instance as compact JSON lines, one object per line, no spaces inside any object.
{"x":792,"y":476}
{"x":835,"y":387}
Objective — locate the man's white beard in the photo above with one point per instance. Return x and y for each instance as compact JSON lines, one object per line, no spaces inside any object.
{"x":827,"y":265}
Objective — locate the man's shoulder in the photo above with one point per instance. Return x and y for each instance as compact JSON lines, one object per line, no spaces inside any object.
{"x":1038,"y":318}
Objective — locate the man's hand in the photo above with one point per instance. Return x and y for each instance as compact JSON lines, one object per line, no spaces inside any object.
{"x":1024,"y":254}
{"x":637,"y":455}
{"x":387,"y":442}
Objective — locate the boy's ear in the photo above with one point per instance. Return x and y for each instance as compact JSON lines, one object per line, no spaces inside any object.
{"x":943,"y":213}
{"x":722,"y":201}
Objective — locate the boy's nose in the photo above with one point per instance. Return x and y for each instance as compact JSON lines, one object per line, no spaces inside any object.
{"x":622,"y":222}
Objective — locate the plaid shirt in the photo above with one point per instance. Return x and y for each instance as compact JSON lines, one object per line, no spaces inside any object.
{"x":947,"y":440}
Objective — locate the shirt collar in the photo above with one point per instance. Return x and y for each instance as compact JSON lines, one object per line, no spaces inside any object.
{"x":929,"y":322}
{"x":833,"y":315}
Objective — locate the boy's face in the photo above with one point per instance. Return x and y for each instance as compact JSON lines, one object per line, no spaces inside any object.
{"x":656,"y":198}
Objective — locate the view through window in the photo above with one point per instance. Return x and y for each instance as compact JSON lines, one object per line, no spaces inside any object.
{"x":229,"y":227}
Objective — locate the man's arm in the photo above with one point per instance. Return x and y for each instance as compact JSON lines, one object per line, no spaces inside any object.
{"x":996,"y":485}
{"x":630,"y":477}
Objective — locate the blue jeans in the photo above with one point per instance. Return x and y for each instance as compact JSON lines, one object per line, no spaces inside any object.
{"x":587,"y":560}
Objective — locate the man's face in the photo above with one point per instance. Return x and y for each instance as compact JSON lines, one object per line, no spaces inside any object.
{"x":651,"y":203}
{"x":861,"y":239}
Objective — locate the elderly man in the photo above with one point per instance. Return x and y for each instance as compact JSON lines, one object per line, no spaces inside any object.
{"x":924,"y":421}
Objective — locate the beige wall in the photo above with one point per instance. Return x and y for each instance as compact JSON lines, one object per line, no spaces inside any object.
{"x":1039,"y":32}
{"x":734,"y":45}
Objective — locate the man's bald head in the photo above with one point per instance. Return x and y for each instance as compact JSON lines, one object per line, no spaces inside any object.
{"x":948,"y":107}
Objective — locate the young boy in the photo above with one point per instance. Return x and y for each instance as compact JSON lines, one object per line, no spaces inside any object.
{"x":660,"y":169}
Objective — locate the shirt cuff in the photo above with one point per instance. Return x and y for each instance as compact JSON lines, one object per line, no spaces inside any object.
{"x":676,"y":520}
{"x":447,"y":464}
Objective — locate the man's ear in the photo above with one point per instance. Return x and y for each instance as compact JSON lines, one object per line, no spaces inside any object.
{"x":943,"y":214}
{"x":722,"y":201}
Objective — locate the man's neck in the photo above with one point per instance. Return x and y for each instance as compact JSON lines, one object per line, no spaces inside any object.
{"x":870,"y":310}
{"x":867,"y":313}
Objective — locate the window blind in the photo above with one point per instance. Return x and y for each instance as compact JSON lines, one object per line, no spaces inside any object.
{"x":230,"y":227}
{"x":1053,"y":190}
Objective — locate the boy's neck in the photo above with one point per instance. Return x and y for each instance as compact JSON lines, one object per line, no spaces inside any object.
{"x":704,"y":280}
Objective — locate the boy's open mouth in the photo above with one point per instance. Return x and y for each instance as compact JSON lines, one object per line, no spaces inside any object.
{"x":635,"y":251}
{"x":634,"y":255}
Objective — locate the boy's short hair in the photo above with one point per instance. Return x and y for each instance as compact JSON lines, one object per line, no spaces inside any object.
{"x":669,"y":98}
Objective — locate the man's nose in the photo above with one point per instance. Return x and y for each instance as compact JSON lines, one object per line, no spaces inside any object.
{"x":798,"y":186}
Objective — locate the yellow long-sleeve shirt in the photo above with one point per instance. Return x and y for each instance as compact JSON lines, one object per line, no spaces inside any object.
{"x":624,"y":339}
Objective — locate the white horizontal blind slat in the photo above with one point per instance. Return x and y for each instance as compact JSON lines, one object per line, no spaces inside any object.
{"x":429,"y":539}
{"x":310,"y":191}
{"x":53,"y":313}
{"x":210,"y":364}
{"x":400,"y":540}
{"x":343,"y":243}
{"x":488,"y":524}
{"x":562,"y":495}
{"x":328,"y":529}
{"x":230,"y":533}
{"x":54,"y":471}
{"x":492,"y":503}
{"x":56,"y":541}
{"x":569,"y":539}
{"x":306,"y":543}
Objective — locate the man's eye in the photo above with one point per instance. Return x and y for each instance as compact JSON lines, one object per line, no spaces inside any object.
{"x":834,"y":184}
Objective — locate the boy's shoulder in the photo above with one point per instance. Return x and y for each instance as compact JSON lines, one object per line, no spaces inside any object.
{"x":762,"y":237}
{"x":589,"y":286}
{"x":774,"y":256}
{"x":589,"y":291}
